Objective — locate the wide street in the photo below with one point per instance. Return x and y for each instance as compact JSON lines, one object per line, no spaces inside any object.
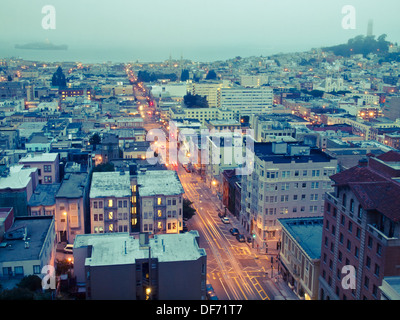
{"x":236,"y":270}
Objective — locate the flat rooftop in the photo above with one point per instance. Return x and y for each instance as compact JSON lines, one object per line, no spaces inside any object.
{"x":121,"y":248}
{"x":38,"y":228}
{"x":159,"y":182}
{"x":72,"y":186}
{"x":307,"y":232}
{"x":263,"y":150}
{"x":43,"y":157}
{"x":110,"y":184}
{"x":18,"y":178}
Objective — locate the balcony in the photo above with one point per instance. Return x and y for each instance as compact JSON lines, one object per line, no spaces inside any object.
{"x":386,"y":241}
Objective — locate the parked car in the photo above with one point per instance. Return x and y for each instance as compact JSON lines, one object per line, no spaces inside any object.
{"x":240,"y":238}
{"x":225,"y":220}
{"x":221,"y":214}
{"x":210,"y":292}
{"x":249,"y":239}
{"x":68,"y":248}
{"x":234,"y":231}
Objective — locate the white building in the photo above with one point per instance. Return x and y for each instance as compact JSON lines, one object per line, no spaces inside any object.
{"x":253,"y":81}
{"x":120,"y":267}
{"x":247,"y":101}
{"x":288,"y":181}
{"x":160,"y":195}
{"x":110,"y":202}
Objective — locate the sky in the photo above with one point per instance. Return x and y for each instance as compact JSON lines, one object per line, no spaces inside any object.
{"x":196,"y":29}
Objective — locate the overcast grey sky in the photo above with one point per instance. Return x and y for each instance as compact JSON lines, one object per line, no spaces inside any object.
{"x":175,"y":26}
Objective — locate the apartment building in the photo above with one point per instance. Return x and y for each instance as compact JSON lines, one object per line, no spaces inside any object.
{"x":117,"y":266}
{"x":201,"y":114}
{"x":160,"y":197}
{"x":300,"y":253}
{"x":110,"y":202}
{"x":247,"y":101}
{"x":48,"y":165}
{"x":27,"y":245}
{"x":288,"y":181}
{"x":253,"y":81}
{"x":210,"y":89}
{"x":71,"y":207}
{"x":361,"y":229}
{"x":17,"y":185}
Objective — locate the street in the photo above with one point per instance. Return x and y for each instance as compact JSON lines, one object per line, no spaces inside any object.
{"x":236,"y":270}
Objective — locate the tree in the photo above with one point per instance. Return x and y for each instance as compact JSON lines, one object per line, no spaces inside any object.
{"x":17,"y":294}
{"x":211,"y":75}
{"x":188,"y":211}
{"x":95,"y":139}
{"x":195,"y":101}
{"x":58,"y":79}
{"x":185,"y":75}
{"x":31,"y":282}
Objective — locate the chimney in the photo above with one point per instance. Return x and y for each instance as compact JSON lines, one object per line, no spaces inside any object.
{"x":363,"y":162}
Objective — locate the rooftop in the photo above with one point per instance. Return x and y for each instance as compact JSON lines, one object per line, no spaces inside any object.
{"x":43,"y":157}
{"x":37,"y":229}
{"x":159,"y":182}
{"x":44,"y":195}
{"x":307,"y":232}
{"x":72,"y":185}
{"x":121,"y":248}
{"x":18,"y":178}
{"x":110,"y":184}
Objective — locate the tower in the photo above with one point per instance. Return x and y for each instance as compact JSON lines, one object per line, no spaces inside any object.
{"x":370,"y":28}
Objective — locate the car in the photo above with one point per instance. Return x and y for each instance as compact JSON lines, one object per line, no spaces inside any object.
{"x":249,"y":239}
{"x":209,"y":288}
{"x":221,"y":214}
{"x":212,"y":296}
{"x":225,"y":220}
{"x":68,"y":248}
{"x":234,"y":231}
{"x":240,"y":238}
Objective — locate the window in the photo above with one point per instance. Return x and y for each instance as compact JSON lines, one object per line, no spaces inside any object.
{"x":174,"y":202}
{"x":95,"y":217}
{"x":378,"y":249}
{"x":366,"y":282}
{"x":348,"y":245}
{"x":315,"y":173}
{"x":341,"y":238}
{"x":100,"y":204}
{"x":314,"y":185}
{"x":351,"y":205}
{"x":304,"y":173}
{"x":125,"y":203}
{"x":358,"y":233}
{"x":19,"y":270}
{"x":94,"y":205}
{"x":350,"y":226}
{"x":48,"y":179}
{"x":344,"y":200}
{"x":47,"y":168}
{"x":36,"y":269}
{"x":376,"y":272}
{"x":110,"y":202}
{"x":370,"y":241}
{"x":368,"y":262}
{"x":356,"y":251}
{"x":360,"y":212}
{"x":119,"y":203}
{"x":158,"y":201}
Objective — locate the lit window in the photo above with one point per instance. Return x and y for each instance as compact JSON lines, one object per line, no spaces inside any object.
{"x":110,"y":215}
{"x":110,"y":203}
{"x":159,"y":201}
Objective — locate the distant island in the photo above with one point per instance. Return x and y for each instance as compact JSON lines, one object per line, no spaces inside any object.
{"x":41,"y":46}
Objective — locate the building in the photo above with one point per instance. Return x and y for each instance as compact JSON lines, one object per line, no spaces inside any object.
{"x":160,"y":197}
{"x":17,"y":185}
{"x":38,"y":143}
{"x":210,"y":89}
{"x":390,"y":288}
{"x":300,"y":253}
{"x":253,"y":81}
{"x":71,"y":207}
{"x":288,"y":181}
{"x":48,"y":165}
{"x":27,"y":246}
{"x":122,"y":267}
{"x":361,"y":229}
{"x":43,"y":200}
{"x":231,"y":194}
{"x":247,"y":101}
{"x":110,"y":202}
